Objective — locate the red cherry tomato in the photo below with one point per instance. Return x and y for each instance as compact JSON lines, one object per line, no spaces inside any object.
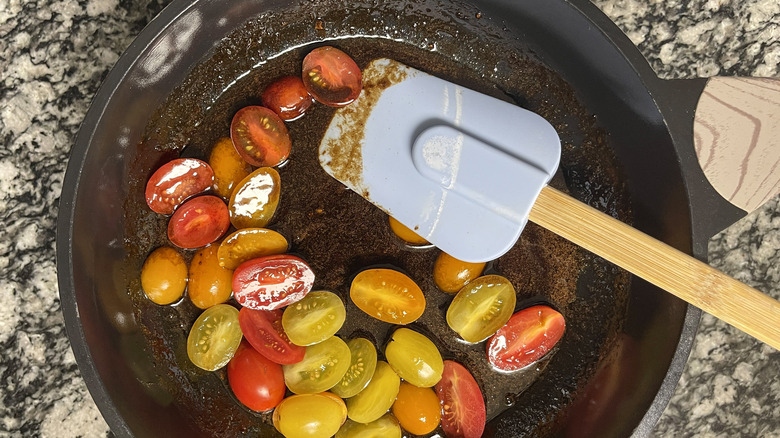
{"x":260,"y":137}
{"x":176,"y":181}
{"x":271,"y":282}
{"x":198,"y":222}
{"x":463,"y":409}
{"x":263,"y":330}
{"x":256,"y":382}
{"x":287,"y":97}
{"x":529,"y":335}
{"x":331,"y":76}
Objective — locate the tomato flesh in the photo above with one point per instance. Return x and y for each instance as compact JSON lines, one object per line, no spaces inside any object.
{"x":254,"y":200}
{"x":287,"y":97}
{"x":214,"y":337}
{"x":176,"y":181}
{"x":527,"y":337}
{"x":388,"y":296}
{"x":263,"y":330}
{"x":257,"y":382}
{"x":463,"y":408}
{"x":482,"y":307}
{"x":271,"y":282}
{"x":260,"y":137}
{"x":361,"y":368}
{"x":199,"y":222}
{"x":322,"y":367}
{"x":331,"y":76}
{"x":315,"y":318}
{"x":374,"y":401}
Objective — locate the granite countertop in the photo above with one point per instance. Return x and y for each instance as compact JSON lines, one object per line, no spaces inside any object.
{"x":53,"y":56}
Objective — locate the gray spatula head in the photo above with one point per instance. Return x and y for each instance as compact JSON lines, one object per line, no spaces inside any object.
{"x":460,"y":168}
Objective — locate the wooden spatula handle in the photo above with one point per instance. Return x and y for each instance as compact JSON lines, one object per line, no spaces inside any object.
{"x":674,"y":271}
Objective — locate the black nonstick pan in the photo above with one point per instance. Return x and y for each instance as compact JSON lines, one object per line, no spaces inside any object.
{"x":627,"y":149}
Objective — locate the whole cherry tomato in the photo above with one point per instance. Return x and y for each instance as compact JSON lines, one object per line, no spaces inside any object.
{"x":331,"y":76}
{"x":417,"y":409}
{"x":260,"y":137}
{"x":176,"y":181}
{"x":463,"y":408}
{"x":287,"y":97}
{"x":530,"y":334}
{"x":256,"y":382}
{"x":271,"y":282}
{"x":198,"y":222}
{"x":263,"y":330}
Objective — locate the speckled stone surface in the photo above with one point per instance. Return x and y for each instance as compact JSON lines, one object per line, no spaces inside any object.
{"x":53,"y":56}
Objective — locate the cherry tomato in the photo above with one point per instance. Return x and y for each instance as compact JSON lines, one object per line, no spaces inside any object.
{"x":256,"y":382}
{"x":529,"y":335}
{"x":417,"y":409}
{"x":229,"y":168}
{"x":260,"y":137}
{"x":210,"y":284}
{"x":385,"y":427}
{"x":414,"y":358}
{"x":463,"y":409}
{"x":254,"y":201}
{"x":249,"y":243}
{"x":198,"y":222}
{"x":322,"y":367}
{"x":405,"y":233}
{"x":482,"y":307}
{"x":271,"y":282}
{"x":374,"y":401}
{"x":361,"y":367}
{"x":316,"y":317}
{"x":263,"y":329}
{"x":388,"y":296}
{"x":176,"y":181}
{"x":451,"y":274}
{"x":331,"y":76}
{"x":287,"y":97}
{"x":164,"y":275}
{"x":308,"y":416}
{"x":214,"y":338}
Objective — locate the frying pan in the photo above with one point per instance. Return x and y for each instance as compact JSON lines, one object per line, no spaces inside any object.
{"x":195,"y":64}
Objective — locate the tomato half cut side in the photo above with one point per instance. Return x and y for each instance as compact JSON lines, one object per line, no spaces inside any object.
{"x":529,"y":335}
{"x":388,"y":296}
{"x":176,"y":181}
{"x":256,"y":381}
{"x":199,"y":222}
{"x":287,"y":97}
{"x":271,"y":282}
{"x":463,"y":408}
{"x":331,"y":76}
{"x":260,"y":137}
{"x":263,"y":330}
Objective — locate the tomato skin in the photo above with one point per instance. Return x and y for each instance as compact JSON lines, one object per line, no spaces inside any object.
{"x":414,"y":357}
{"x":199,"y":222}
{"x":229,"y":168}
{"x":463,"y":408}
{"x":164,"y":275}
{"x":331,"y":76}
{"x":209,"y":283}
{"x":405,"y":233}
{"x":417,"y":409}
{"x":249,"y":243}
{"x":256,"y":382}
{"x":451,"y":274}
{"x":375,"y":399}
{"x":260,"y":137}
{"x":254,"y":200}
{"x":308,"y":416}
{"x":176,"y":181}
{"x":527,"y":337}
{"x":287,"y":97}
{"x":271,"y":282}
{"x":385,"y":427}
{"x":263,"y":330}
{"x":388,"y":296}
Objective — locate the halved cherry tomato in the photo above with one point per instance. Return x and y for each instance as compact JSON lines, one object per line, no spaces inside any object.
{"x":414,"y":358}
{"x":322,"y":367}
{"x":229,"y":168}
{"x":175,"y":181}
{"x":331,"y":76}
{"x":405,"y":233}
{"x":271,"y":282}
{"x":287,"y":97}
{"x":214,"y":337}
{"x":361,"y":368}
{"x":255,"y":198}
{"x":263,"y":330}
{"x":308,"y":416}
{"x":529,"y":335}
{"x":387,"y":295}
{"x":374,"y":401}
{"x":314,"y":318}
{"x":198,"y":222}
{"x":249,"y":243}
{"x":385,"y":427}
{"x":482,"y":307}
{"x":260,"y":137}
{"x":256,"y":382}
{"x":417,"y":409}
{"x":463,"y":408}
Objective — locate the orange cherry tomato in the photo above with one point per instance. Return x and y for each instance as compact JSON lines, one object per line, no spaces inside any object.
{"x":387,"y":295}
{"x":249,"y":243}
{"x":271,"y":282}
{"x":198,"y":222}
{"x":255,"y":199}
{"x":529,"y":335}
{"x":331,"y":76}
{"x":260,"y":137}
{"x":417,"y":409}
{"x":287,"y":97}
{"x":405,"y":233}
{"x":451,"y":274}
{"x":164,"y":275}
{"x":210,"y":283}
{"x":176,"y":181}
{"x":229,"y":168}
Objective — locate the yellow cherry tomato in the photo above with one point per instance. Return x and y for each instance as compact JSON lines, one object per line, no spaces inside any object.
{"x":255,"y":199}
{"x":482,"y":307}
{"x":405,"y":233}
{"x":250,"y":243}
{"x":229,"y":168}
{"x":210,"y":283}
{"x":309,"y":416}
{"x":164,"y":275}
{"x":388,"y":296}
{"x":385,"y":427}
{"x":414,"y":358}
{"x":417,"y":409}
{"x":374,"y":401}
{"x":451,"y":274}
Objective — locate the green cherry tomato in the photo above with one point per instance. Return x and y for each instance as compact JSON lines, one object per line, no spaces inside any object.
{"x":414,"y":358}
{"x":482,"y":307}
{"x":322,"y":367}
{"x":374,"y":401}
{"x":215,"y":337}
{"x":361,"y":368}
{"x":316,"y":317}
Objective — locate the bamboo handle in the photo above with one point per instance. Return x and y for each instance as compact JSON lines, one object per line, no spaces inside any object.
{"x":674,"y":271}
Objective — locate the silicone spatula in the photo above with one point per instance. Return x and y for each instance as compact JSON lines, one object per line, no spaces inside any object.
{"x":466,"y":171}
